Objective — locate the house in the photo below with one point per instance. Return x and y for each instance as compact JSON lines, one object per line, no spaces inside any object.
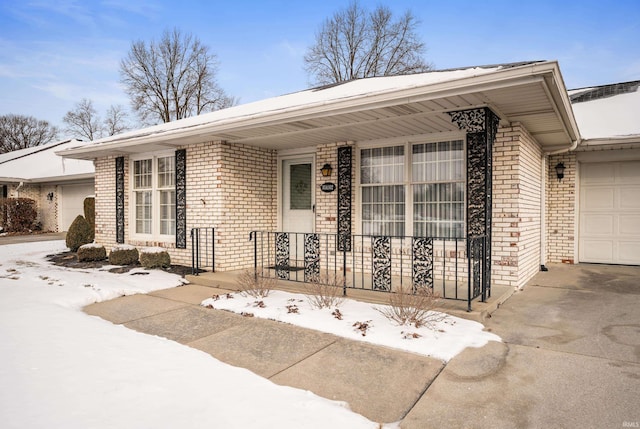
{"x":594,"y":214}
{"x":441,"y":177}
{"x":58,"y":185}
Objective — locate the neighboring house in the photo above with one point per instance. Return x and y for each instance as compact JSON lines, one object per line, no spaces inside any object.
{"x":58,"y":186}
{"x":423,"y":168}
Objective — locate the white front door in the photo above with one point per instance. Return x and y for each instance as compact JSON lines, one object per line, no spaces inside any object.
{"x":297,"y":195}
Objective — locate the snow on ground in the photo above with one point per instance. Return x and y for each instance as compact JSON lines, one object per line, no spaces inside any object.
{"x":63,"y":368}
{"x":446,"y":337}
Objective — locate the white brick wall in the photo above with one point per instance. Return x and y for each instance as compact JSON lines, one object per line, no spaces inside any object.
{"x":234,"y":188}
{"x":105,"y":191}
{"x":229,"y":187}
{"x":560,"y":215}
{"x":517,"y":205}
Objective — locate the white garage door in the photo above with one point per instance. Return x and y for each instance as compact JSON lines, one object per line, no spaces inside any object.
{"x":610,"y":213}
{"x":71,"y":203}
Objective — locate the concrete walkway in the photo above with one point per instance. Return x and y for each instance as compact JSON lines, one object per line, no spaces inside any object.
{"x":570,"y":356}
{"x":380,"y":383}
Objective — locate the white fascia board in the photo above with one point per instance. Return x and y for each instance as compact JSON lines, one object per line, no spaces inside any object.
{"x":62,"y":179}
{"x":499,"y":79}
{"x":611,"y":141}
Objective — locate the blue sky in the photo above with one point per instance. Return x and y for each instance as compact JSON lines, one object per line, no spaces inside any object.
{"x":54,"y":53}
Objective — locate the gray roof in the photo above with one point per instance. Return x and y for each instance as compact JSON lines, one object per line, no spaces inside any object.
{"x":595,"y":93}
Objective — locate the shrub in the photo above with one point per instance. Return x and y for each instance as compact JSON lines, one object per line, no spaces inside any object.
{"x":80,"y":232}
{"x":413,"y":308}
{"x":90,"y":212}
{"x":91,"y":252}
{"x":123,"y":254}
{"x":253,"y":283}
{"x":154,"y":257}
{"x":19,"y":214}
{"x":324,"y":292}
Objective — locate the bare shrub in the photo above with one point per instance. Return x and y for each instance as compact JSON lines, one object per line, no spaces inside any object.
{"x":253,"y":283}
{"x":408,"y":307}
{"x":325,"y":291}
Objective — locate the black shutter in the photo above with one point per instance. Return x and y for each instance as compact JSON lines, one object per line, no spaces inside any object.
{"x":181,"y":199}
{"x":120,"y":199}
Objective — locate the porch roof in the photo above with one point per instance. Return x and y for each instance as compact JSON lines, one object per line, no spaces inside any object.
{"x":531,"y":93}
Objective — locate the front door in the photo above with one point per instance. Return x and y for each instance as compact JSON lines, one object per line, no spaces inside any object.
{"x":298,"y":205}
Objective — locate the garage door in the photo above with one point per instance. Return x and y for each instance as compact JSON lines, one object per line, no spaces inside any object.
{"x":610,"y":213}
{"x":71,"y":203}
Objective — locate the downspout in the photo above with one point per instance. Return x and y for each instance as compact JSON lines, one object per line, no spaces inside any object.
{"x":18,"y":189}
{"x":543,"y":200}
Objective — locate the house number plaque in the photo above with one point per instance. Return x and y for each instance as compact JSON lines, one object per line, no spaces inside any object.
{"x":328,"y":187}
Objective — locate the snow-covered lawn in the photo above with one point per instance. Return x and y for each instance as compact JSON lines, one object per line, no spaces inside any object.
{"x":60,"y":368}
{"x":356,"y":320}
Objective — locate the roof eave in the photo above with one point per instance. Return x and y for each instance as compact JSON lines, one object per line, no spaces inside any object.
{"x":546,"y":72}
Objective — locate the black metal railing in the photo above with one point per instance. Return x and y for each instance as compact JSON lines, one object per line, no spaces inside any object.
{"x":377,"y":263}
{"x":203,"y":249}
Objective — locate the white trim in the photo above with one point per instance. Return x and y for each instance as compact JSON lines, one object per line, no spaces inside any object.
{"x":413,"y":139}
{"x":407,"y":142}
{"x":155,"y":199}
{"x":576,"y":215}
{"x":609,"y":155}
{"x":300,"y":153}
{"x":543,"y":210}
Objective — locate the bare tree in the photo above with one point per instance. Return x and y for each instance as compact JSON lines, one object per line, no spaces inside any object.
{"x":20,"y":132}
{"x":83,"y":121}
{"x":356,"y":43}
{"x":172,"y":79}
{"x":115,"y":120}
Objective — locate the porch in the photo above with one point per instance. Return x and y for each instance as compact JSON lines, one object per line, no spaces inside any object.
{"x":479,"y":312}
{"x":366,"y":268}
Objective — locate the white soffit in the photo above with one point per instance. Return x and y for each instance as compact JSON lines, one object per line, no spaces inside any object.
{"x":371,"y":109}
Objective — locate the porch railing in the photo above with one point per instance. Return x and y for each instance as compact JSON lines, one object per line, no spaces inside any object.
{"x":203,"y":249}
{"x":455,"y":268}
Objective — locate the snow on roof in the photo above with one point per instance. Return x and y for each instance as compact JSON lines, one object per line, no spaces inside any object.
{"x":325,"y":95}
{"x":40,"y":164}
{"x":8,"y":156}
{"x":607,"y":111}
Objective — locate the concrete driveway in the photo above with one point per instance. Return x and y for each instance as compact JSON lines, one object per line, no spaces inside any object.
{"x":570,"y":358}
{"x":29,"y":238}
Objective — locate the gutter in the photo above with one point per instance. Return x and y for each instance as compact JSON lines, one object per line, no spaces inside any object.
{"x":475,"y":83}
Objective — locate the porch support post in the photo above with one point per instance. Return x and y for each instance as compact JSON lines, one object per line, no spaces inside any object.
{"x":481,"y":126}
{"x":344,"y":198}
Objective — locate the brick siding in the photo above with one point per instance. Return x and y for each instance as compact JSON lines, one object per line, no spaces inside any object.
{"x":560,"y":215}
{"x":517,"y":168}
{"x":47,"y":211}
{"x":229,"y":187}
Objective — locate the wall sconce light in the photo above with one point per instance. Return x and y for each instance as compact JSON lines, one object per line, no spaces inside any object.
{"x":326,"y":170}
{"x":560,"y":171}
{"x":50,"y":196}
